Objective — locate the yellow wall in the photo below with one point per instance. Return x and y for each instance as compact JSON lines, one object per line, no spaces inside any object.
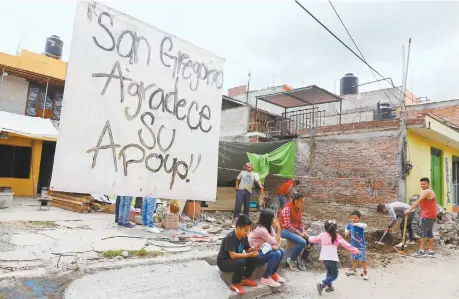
{"x":24,"y":187}
{"x":36,"y":63}
{"x":419,"y":155}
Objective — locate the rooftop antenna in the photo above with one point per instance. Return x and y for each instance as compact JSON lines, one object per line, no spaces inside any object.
{"x":248,"y":87}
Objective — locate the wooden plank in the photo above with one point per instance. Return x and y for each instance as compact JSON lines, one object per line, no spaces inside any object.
{"x":70,"y":207}
{"x":226,"y":197}
{"x":72,"y":202}
{"x":69,"y":197}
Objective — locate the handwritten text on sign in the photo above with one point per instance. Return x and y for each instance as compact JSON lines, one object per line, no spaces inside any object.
{"x":141,"y":111}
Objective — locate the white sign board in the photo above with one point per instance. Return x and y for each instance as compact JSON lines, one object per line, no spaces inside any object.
{"x":141,"y":111}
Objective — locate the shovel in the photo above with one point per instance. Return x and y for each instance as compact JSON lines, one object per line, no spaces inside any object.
{"x":380,"y":241}
{"x":402,"y":250}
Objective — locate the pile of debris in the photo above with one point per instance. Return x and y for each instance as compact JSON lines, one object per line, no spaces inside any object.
{"x":80,"y":203}
{"x":447,"y":229}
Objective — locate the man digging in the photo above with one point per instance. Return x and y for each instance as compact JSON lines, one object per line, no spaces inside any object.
{"x":396,"y":210}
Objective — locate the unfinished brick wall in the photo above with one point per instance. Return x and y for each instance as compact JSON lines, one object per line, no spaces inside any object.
{"x":358,"y":167}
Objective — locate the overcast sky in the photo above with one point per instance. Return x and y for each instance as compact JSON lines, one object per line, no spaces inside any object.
{"x":277,"y":41}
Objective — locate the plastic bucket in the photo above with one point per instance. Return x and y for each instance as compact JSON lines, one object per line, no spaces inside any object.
{"x":6,"y":198}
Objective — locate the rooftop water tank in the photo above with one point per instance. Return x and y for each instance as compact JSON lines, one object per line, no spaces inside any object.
{"x":54,"y":46}
{"x":384,"y":111}
{"x":349,"y":84}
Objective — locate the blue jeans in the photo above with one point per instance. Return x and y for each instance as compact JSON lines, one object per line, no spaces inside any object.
{"x":117,"y":208}
{"x":124,"y":209}
{"x":273,"y":258}
{"x":282,"y":200}
{"x":297,"y":239}
{"x":242,"y":197}
{"x":332,"y":272}
{"x":148,"y":209}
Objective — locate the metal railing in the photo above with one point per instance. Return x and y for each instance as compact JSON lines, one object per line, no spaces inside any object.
{"x":292,"y":122}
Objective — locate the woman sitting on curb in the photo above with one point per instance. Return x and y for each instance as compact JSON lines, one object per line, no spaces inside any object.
{"x":291,"y":223}
{"x":266,"y":236}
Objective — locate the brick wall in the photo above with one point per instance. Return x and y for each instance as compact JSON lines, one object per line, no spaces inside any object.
{"x":360,"y":167}
{"x":366,"y":125}
{"x":13,"y":95}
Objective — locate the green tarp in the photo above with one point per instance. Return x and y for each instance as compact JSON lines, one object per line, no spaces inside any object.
{"x":281,"y":161}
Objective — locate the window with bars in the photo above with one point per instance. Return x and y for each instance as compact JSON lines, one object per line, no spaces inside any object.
{"x":455,"y":181}
{"x":36,"y":104}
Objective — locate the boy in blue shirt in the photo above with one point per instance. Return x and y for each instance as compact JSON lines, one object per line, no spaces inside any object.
{"x":356,"y":230}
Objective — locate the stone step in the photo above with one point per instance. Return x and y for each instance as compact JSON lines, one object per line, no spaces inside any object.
{"x":258,"y":291}
{"x":257,"y":274}
{"x":252,"y":292}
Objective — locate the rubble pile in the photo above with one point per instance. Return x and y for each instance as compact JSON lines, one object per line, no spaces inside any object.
{"x":447,"y":229}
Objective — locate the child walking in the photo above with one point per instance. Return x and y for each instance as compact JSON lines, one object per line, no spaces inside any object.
{"x":356,"y":230}
{"x":330,"y":241}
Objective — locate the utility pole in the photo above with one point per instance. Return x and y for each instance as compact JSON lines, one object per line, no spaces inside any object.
{"x":403,"y":131}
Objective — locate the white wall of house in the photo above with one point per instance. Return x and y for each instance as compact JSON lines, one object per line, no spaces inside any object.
{"x":234,"y":122}
{"x":359,"y":107}
{"x":13,"y":94}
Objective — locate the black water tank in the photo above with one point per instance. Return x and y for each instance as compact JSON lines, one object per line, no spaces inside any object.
{"x":384,"y":111}
{"x":54,"y":46}
{"x":348,"y":84}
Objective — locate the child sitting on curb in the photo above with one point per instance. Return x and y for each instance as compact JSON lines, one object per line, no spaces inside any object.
{"x":236,"y":256}
{"x":330,"y":241}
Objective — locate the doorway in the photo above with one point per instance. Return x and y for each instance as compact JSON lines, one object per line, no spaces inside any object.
{"x":46,"y":164}
{"x":436,"y":173}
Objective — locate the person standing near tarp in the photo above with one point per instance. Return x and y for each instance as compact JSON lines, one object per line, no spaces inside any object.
{"x":244,"y":185}
{"x":286,"y":190}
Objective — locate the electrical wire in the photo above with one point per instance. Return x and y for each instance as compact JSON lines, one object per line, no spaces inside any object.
{"x":347,"y":47}
{"x":358,"y":49}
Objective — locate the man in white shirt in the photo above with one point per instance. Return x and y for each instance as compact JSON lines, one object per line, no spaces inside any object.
{"x":396,"y":210}
{"x":244,"y":185}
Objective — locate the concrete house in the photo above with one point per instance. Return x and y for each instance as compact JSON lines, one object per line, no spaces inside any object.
{"x":31,"y":92}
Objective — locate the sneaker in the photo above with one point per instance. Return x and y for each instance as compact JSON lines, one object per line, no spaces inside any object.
{"x":320,"y":288}
{"x":128,"y":225}
{"x":301,"y":265}
{"x":351,"y":272}
{"x":410,"y":243}
{"x":365,"y":276}
{"x":329,"y":289}
{"x":154,"y":230}
{"x":270,"y":282}
{"x":293,"y":265}
{"x":277,"y":277}
{"x":399,"y":244}
{"x":248,"y":282}
{"x":237,"y":287}
{"x":430,"y":254}
{"x":419,"y":253}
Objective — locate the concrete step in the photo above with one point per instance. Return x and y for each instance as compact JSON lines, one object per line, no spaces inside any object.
{"x":258,"y":291}
{"x":227,"y":276}
{"x":252,"y":292}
